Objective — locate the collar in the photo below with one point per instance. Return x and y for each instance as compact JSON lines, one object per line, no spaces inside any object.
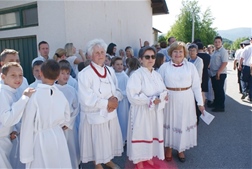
{"x":6,"y":87}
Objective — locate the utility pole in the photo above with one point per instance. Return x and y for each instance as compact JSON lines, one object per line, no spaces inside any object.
{"x":192,"y":26}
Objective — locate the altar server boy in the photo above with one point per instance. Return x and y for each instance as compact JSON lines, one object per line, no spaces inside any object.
{"x":11,"y":110}
{"x":42,"y":140}
{"x":71,"y":96}
{"x":123,"y":105}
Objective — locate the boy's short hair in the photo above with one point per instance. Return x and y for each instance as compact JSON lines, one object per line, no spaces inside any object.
{"x":65,"y":65}
{"x":5,"y":52}
{"x":114,"y":59}
{"x":37,"y":63}
{"x":50,"y":69}
{"x":6,"y":67}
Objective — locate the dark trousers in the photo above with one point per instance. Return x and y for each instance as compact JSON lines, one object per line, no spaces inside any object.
{"x":245,"y":79}
{"x":198,"y":112}
{"x":239,"y":78}
{"x":218,"y":88}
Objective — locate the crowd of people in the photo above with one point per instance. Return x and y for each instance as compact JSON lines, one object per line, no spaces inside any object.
{"x":243,"y":64}
{"x":87,"y":108}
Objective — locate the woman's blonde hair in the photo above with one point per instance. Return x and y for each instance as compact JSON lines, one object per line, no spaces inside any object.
{"x":69,"y":49}
{"x":177,"y":45}
{"x":59,"y":52}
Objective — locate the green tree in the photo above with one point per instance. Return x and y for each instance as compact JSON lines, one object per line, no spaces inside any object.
{"x":227,"y":45}
{"x":236,"y":43}
{"x":162,"y":38}
{"x":182,"y":28}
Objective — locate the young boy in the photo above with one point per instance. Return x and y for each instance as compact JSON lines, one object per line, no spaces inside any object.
{"x":123,"y":106}
{"x":11,"y":55}
{"x":42,"y":140}
{"x":36,"y":69}
{"x":11,"y":110}
{"x":71,"y":95}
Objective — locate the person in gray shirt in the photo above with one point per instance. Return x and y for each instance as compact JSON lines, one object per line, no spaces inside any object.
{"x":218,"y":73}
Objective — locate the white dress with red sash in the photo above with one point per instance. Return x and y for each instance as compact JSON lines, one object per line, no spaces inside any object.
{"x":145,"y":124}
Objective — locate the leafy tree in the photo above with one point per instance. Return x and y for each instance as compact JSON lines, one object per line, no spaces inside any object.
{"x":162,"y":38}
{"x":236,"y":43}
{"x":182,"y":28}
{"x":227,"y":45}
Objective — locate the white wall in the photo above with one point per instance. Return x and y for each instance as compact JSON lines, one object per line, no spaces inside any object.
{"x":60,"y":22}
{"x":120,"y":22}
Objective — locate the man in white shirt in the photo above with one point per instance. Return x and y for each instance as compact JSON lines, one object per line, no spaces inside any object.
{"x":246,"y":77}
{"x":43,"y":47}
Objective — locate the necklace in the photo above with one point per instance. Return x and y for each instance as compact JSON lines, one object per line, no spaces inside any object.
{"x":98,"y":74}
{"x":177,"y":65}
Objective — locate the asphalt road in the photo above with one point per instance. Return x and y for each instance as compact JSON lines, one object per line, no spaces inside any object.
{"x":224,"y":144}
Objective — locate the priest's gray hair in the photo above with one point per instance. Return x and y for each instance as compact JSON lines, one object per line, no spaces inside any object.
{"x":95,"y":42}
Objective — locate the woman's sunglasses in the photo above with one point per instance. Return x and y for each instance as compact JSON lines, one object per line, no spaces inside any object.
{"x":148,"y":57}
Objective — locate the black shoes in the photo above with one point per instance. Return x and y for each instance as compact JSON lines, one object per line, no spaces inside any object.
{"x":218,"y":110}
{"x":244,"y":95}
{"x":181,"y":159}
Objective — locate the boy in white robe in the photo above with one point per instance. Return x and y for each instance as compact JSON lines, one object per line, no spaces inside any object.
{"x":11,"y":110}
{"x":42,"y":140}
{"x":36,"y":69}
{"x":123,"y":105}
{"x":11,"y":55}
{"x":71,"y":96}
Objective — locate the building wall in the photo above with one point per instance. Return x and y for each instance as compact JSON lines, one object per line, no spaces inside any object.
{"x":60,"y":22}
{"x":120,"y":22}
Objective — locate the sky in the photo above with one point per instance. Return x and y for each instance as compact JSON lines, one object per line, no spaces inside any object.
{"x":227,"y":14}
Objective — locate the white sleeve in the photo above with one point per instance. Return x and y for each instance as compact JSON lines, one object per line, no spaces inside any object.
{"x":133,"y":90}
{"x":196,"y":87}
{"x":11,"y":114}
{"x":75,"y":106}
{"x":200,"y":68}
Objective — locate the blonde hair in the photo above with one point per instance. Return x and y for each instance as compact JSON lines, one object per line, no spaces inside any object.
{"x":59,"y":52}
{"x":6,"y":67}
{"x":69,"y":49}
{"x":177,"y":45}
{"x":5,"y":52}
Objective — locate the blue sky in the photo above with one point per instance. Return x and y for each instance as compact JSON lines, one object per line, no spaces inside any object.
{"x":227,"y":14}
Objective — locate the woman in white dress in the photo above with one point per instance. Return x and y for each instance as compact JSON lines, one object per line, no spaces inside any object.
{"x":182,"y":81}
{"x":145,"y":125}
{"x":99,"y":131}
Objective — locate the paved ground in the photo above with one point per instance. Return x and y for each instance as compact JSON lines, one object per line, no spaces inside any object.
{"x":224,"y":144}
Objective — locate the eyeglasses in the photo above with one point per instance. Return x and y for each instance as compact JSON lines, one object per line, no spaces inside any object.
{"x":148,"y":57}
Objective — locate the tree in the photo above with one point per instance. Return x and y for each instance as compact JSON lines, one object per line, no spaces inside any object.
{"x":227,"y":45}
{"x":162,"y":38}
{"x":182,"y":29}
{"x":236,"y":43}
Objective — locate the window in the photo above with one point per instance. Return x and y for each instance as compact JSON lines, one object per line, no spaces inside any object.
{"x":30,"y":16}
{"x":9,"y":20}
{"x":19,"y":17}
